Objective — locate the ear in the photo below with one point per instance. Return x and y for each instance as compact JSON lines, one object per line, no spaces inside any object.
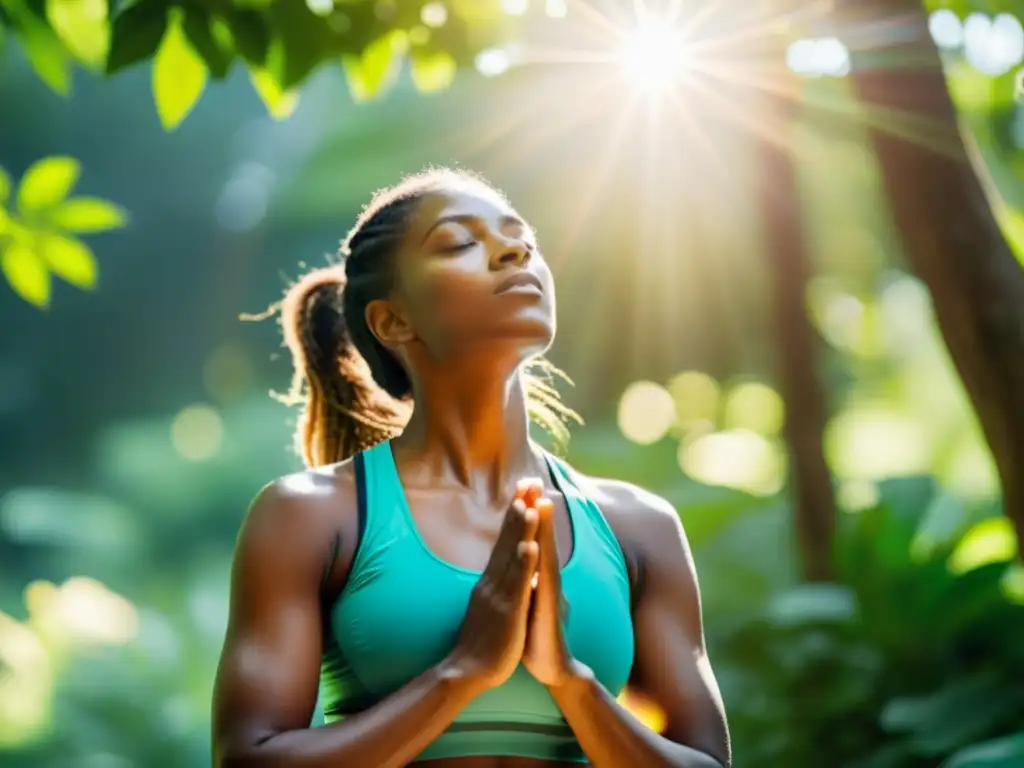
{"x":388,"y":323}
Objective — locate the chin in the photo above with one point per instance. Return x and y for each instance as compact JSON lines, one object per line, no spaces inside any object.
{"x":525,"y":337}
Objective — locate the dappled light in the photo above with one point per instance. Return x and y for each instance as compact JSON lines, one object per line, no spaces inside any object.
{"x":173,"y":170}
{"x":644,"y":710}
{"x":739,"y":459}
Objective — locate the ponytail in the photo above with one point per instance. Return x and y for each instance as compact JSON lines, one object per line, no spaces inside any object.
{"x":343,"y":410}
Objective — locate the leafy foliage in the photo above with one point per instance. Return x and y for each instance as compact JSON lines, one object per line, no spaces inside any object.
{"x":280,"y":43}
{"x":909,"y":661}
{"x":37,"y":232}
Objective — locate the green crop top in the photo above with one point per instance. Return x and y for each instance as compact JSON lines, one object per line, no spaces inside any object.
{"x":402,"y":607}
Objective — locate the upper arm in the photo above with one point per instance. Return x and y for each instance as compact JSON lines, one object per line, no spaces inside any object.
{"x":268,"y":677}
{"x":671,"y":666}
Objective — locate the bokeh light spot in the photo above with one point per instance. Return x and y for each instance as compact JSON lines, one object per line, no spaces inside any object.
{"x":434,"y":14}
{"x":197,"y":432}
{"x":738,"y":459}
{"x":646,"y":412}
{"x":755,"y":406}
{"x":696,"y":397}
{"x":228,"y":374}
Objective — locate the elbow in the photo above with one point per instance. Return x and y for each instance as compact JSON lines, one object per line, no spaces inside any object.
{"x":238,"y":756}
{"x":234,"y":759}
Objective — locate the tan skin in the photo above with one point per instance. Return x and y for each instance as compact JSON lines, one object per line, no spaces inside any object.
{"x":459,"y":459}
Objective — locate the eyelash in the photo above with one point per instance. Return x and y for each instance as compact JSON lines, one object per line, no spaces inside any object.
{"x":530,"y":246}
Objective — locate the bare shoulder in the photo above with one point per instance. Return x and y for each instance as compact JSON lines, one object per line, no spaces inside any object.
{"x":301,"y":513}
{"x":639,"y":518}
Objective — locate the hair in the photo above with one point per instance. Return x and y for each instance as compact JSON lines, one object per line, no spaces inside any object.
{"x":353,"y":392}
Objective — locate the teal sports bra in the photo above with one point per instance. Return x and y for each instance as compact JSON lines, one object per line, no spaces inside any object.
{"x":402,"y":607}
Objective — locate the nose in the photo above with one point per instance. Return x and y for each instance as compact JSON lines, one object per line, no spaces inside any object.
{"x":510,"y":252}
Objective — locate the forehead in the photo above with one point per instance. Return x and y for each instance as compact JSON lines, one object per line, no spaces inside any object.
{"x":469,"y":201}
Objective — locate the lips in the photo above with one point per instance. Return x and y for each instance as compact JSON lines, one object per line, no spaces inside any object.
{"x":520,"y":282}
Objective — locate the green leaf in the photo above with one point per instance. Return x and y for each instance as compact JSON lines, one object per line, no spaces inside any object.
{"x":433,"y":71}
{"x":989,"y":541}
{"x":69,"y":259}
{"x":249,"y":30}
{"x":87,"y":214}
{"x":47,"y":55}
{"x":26,"y":273}
{"x":1012,"y":223}
{"x":47,"y":183}
{"x":137,"y":33}
{"x":279,"y":103}
{"x":198,"y":26}
{"x":179,"y":74}
{"x":306,"y":41}
{"x":5,"y":188}
{"x":82,"y":27}
{"x":813,"y":604}
{"x":377,"y":67}
{"x":1006,"y":752}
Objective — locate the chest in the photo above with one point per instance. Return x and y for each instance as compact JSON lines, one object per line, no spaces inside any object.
{"x":404,"y":605}
{"x":456,"y":530}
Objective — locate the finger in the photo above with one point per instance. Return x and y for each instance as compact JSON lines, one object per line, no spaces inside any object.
{"x":529,"y":489}
{"x":508,"y":559}
{"x":528,"y":556}
{"x":546,"y":538}
{"x":512,"y":526}
{"x":511,"y":533}
{"x":531,"y":524}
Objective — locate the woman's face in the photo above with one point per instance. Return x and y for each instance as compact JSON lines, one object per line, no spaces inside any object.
{"x":470,"y":274}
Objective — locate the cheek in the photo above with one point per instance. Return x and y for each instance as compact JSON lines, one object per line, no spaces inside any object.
{"x":449,"y":296}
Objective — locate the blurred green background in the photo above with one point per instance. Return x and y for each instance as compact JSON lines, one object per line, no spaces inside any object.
{"x":136,"y":420}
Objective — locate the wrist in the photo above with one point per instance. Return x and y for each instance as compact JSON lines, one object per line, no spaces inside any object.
{"x":578,"y":676}
{"x":459,"y":678}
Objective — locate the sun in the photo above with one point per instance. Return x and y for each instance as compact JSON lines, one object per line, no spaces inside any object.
{"x":653,"y":56}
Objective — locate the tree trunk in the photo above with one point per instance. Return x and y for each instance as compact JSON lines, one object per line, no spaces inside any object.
{"x":949,"y":232}
{"x":798,"y":345}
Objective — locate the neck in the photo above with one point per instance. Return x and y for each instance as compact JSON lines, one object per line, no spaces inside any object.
{"x":470,"y":422}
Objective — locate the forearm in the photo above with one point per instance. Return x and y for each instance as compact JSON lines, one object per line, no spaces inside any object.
{"x":611,"y":736}
{"x":389,"y":734}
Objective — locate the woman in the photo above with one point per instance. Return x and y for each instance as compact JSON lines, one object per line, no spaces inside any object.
{"x":457,"y":616}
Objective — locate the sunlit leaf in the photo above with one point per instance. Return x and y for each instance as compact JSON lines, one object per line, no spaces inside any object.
{"x":87,"y":214}
{"x":26,"y":273}
{"x":179,"y":75}
{"x":47,"y":183}
{"x":46,"y":53}
{"x":82,"y":26}
{"x":279,"y":103}
{"x":369,"y":74}
{"x":990,"y":541}
{"x":5,"y":187}
{"x":432,"y":72}
{"x":477,"y":12}
{"x":1012,"y":223}
{"x":69,"y":259}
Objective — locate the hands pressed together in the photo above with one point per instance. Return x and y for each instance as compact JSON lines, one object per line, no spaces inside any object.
{"x":515,"y":612}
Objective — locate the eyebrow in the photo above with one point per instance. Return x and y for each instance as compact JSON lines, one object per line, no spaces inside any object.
{"x":463,"y":218}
